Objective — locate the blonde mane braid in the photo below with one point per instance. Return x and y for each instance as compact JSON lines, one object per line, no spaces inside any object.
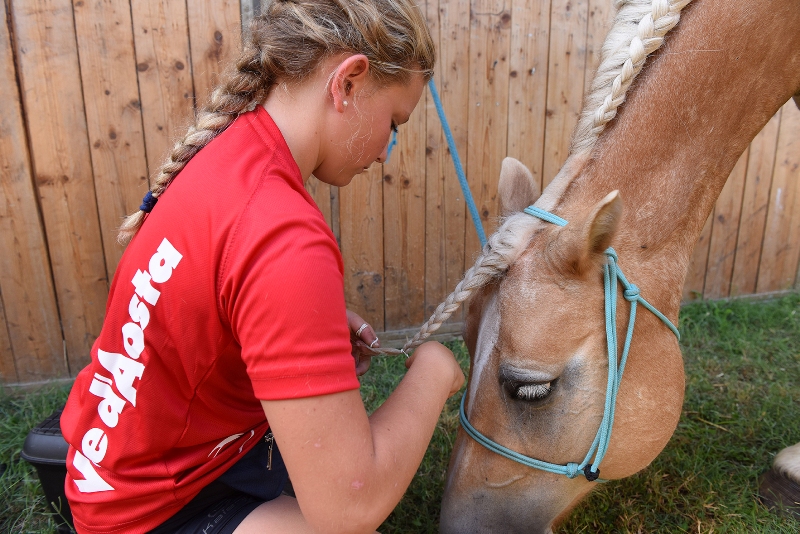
{"x":639,"y":29}
{"x":502,"y":249}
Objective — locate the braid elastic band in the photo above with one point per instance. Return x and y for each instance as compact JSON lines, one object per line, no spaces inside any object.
{"x":148,"y":202}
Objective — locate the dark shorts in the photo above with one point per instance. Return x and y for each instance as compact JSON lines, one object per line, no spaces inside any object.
{"x":221,"y":506}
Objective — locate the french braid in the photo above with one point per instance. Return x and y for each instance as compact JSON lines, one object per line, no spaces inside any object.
{"x":286,"y":45}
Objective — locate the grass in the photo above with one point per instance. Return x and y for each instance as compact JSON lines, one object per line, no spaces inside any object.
{"x":24,"y":507}
{"x":742,"y":405}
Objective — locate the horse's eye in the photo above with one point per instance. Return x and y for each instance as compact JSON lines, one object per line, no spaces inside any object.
{"x":532,"y":392}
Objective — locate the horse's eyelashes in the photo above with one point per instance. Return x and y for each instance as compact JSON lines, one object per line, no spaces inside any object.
{"x":533,"y":392}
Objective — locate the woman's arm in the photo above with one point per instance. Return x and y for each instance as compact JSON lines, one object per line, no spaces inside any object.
{"x":348,"y":470}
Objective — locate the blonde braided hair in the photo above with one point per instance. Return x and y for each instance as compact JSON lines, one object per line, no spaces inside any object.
{"x":287,"y":43}
{"x":638,"y":30}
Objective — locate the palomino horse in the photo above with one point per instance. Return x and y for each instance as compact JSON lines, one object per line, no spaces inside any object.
{"x":535,"y":329}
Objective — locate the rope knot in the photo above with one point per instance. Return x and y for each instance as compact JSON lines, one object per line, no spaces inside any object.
{"x":631,"y":293}
{"x":590,"y":475}
{"x":612,"y":254}
{"x":572,"y":469}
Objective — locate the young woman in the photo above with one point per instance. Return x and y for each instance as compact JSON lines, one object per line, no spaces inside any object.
{"x":226,"y":336}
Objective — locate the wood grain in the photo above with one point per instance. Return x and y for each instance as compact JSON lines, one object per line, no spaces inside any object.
{"x":161,"y":37}
{"x":52,"y":97}
{"x":30,"y":334}
{"x":445,"y":206}
{"x":361,"y":235}
{"x":527,"y":86}
{"x":755,"y":201}
{"x":779,"y":257}
{"x":600,"y":17}
{"x":113,"y":115}
{"x":489,"y":48}
{"x":404,"y":225}
{"x":565,"y":80}
{"x":725,"y":232}
{"x":215,"y":39}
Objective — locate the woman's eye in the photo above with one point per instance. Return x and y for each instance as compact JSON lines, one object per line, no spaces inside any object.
{"x":533,"y":392}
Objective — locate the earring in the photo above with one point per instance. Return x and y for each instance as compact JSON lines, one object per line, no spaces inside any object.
{"x":344,"y":102}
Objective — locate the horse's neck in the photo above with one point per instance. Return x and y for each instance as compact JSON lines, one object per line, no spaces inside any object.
{"x":723,"y":72}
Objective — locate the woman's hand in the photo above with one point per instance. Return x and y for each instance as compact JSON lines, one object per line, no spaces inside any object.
{"x":362,"y":337}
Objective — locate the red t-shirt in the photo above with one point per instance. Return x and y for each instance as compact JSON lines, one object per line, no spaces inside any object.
{"x":232,"y":291}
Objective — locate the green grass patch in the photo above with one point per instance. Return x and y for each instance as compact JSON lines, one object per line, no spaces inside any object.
{"x":742,"y":406}
{"x":24,"y":508}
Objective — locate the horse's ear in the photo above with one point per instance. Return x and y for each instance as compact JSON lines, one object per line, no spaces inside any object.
{"x":594,"y":234}
{"x":603,"y":222}
{"x":517,"y":187}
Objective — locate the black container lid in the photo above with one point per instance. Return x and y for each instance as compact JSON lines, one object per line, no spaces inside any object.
{"x":45,"y":444}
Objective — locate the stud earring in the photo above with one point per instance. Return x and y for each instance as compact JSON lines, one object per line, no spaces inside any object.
{"x":344,"y":103}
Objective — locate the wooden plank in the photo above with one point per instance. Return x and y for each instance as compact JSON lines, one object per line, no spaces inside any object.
{"x":8,"y":371}
{"x":113,"y":116}
{"x":404,"y":226}
{"x":361,"y":235}
{"x":30,"y":334}
{"x":161,"y":37}
{"x":489,"y":48}
{"x":565,"y":80}
{"x":599,"y":22}
{"x":321,"y":193}
{"x":215,"y":37}
{"x":779,"y":257}
{"x":445,"y":207}
{"x":725,"y":232}
{"x":527,"y":87}
{"x":755,"y":200}
{"x":696,"y":275}
{"x":51,"y":93}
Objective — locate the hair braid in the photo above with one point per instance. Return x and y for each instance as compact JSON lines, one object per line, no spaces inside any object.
{"x":243,"y":88}
{"x":288,"y":41}
{"x":503,"y":249}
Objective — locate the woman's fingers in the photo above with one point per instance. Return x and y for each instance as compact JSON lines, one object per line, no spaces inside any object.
{"x":362,"y":338}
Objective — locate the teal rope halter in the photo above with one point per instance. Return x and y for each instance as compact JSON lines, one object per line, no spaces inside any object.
{"x":590,"y":468}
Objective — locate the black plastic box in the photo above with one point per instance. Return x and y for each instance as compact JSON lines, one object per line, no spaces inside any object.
{"x":46,"y":450}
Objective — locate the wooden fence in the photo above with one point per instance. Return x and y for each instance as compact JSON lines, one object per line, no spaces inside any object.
{"x":94,"y":92}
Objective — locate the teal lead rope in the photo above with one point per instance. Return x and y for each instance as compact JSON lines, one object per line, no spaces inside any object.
{"x":462,"y":177}
{"x":599,"y":447}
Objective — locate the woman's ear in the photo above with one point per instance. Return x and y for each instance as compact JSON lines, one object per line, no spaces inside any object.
{"x":349,"y":78}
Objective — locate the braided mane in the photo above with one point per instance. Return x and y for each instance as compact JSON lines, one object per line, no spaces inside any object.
{"x":638,"y":31}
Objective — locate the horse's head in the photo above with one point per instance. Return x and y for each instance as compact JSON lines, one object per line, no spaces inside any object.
{"x":539,"y":374}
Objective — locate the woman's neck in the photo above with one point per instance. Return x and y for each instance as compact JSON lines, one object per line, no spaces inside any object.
{"x":297,"y":111}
